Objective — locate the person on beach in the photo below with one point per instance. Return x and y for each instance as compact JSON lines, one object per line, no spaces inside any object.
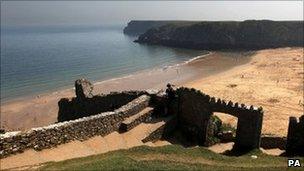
{"x":170,"y":91}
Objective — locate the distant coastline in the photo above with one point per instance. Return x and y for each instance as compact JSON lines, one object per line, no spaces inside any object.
{"x":218,"y":35}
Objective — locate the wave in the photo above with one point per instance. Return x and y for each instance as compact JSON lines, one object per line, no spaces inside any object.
{"x":151,"y":70}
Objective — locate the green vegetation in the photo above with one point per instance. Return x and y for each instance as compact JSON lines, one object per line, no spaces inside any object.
{"x":171,"y":157}
{"x":227,"y":127}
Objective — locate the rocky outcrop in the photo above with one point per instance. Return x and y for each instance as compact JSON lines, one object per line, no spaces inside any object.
{"x":251,"y":34}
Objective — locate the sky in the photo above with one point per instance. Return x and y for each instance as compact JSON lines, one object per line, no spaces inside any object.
{"x":120,"y":12}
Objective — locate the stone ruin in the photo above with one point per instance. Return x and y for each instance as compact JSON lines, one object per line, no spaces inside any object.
{"x":83,"y":89}
{"x":295,"y":136}
{"x":88,"y":115}
{"x":196,"y":108}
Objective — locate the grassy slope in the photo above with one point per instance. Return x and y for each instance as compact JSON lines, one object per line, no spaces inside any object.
{"x":171,"y":157}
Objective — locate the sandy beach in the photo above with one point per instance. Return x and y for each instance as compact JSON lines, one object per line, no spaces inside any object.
{"x":270,"y":78}
{"x":35,"y":111}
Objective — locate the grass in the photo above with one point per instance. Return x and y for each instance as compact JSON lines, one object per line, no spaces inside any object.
{"x":171,"y":157}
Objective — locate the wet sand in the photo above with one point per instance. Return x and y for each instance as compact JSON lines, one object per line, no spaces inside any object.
{"x":25,"y":113}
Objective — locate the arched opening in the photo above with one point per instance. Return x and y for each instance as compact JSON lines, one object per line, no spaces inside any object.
{"x":227,"y":119}
{"x":227,"y":133}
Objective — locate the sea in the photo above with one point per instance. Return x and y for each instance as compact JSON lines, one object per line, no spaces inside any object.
{"x":39,"y":59}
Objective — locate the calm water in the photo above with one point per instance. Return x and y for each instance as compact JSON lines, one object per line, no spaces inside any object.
{"x":36,"y":60}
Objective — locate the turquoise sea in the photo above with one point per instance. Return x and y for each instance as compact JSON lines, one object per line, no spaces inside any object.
{"x":42,"y":59}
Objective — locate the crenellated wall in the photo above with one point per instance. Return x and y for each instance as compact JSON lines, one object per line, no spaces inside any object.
{"x":102,"y":114}
{"x":196,"y":108}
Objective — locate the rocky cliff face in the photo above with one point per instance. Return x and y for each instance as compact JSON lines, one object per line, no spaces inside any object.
{"x":249,"y":34}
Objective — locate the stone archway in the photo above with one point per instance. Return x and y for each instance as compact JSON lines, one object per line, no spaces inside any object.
{"x":196,"y":108}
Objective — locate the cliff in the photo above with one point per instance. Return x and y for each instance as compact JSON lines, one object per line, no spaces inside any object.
{"x":250,"y":34}
{"x":137,"y":27}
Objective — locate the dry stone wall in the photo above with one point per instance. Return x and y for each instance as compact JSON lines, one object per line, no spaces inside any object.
{"x":63,"y":132}
{"x":136,"y":119}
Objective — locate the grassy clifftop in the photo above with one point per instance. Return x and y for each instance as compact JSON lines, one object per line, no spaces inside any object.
{"x":171,"y":157}
{"x":251,"y":34}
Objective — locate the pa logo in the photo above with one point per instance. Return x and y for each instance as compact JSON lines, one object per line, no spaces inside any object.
{"x":294,"y":163}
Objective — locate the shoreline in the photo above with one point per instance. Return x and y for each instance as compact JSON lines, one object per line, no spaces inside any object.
{"x":36,"y":111}
{"x":271,"y":78}
{"x":97,"y":82}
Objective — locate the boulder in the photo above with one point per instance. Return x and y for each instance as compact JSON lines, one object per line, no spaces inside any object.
{"x":83,"y":89}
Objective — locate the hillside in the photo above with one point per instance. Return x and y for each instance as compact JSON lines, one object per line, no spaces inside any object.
{"x":137,"y":27}
{"x":171,"y":157}
{"x":250,"y":34}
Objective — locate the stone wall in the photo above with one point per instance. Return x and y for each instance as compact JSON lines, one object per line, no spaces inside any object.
{"x":193,"y":114}
{"x":270,"y":142}
{"x":70,"y":109}
{"x":191,"y":111}
{"x":295,"y":136}
{"x":133,"y":121}
{"x":195,"y":109}
{"x":63,"y":132}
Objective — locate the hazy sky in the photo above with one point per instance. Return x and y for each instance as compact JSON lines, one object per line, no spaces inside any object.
{"x":100,"y":12}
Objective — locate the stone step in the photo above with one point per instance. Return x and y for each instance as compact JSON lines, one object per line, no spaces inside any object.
{"x":163,"y":127}
{"x":136,"y":119}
